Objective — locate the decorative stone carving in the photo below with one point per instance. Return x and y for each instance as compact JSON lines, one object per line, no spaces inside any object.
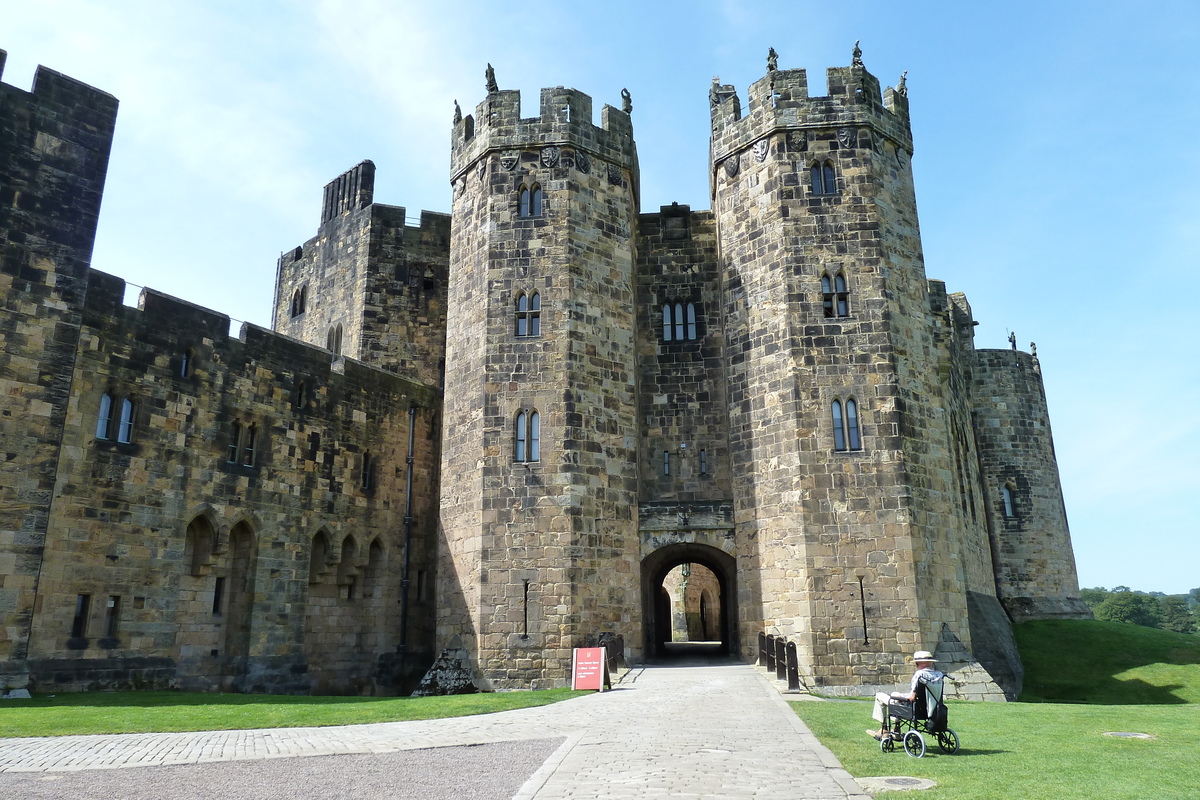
{"x":797,"y":141}
{"x":732,"y":165}
{"x":762,"y":148}
{"x":847,"y":137}
{"x":582,"y":162}
{"x":509,"y":159}
{"x":550,"y":156}
{"x":614,"y":174}
{"x":856,"y":56}
{"x":772,"y":60}
{"x":457,"y":113}
{"x":902,"y":84}
{"x":490,"y":75}
{"x":626,"y":101}
{"x":481,"y":168}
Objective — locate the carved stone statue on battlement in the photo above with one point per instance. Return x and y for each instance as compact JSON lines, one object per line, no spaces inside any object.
{"x":492,"y":86}
{"x":457,"y":113}
{"x":902,"y":84}
{"x":626,"y":101}
{"x":856,"y":56}
{"x":772,"y":60}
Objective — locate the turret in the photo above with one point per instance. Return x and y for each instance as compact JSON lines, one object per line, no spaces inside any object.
{"x":539,"y":491}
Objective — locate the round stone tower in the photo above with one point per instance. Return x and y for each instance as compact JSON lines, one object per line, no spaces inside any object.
{"x":539,"y":490}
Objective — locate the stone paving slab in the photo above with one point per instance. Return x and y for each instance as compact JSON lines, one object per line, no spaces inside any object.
{"x":684,"y":732}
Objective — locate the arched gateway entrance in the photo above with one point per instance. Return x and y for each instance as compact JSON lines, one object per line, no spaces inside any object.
{"x":657,"y":601}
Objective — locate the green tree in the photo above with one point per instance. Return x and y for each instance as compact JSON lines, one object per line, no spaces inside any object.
{"x":1176,"y":616}
{"x":1138,"y":609}
{"x":1093,"y":597}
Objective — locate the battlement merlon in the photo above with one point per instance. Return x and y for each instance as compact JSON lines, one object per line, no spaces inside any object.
{"x":354,"y":188}
{"x":564,"y":120}
{"x":780,"y":101}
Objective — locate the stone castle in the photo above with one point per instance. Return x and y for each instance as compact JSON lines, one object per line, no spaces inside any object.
{"x":499,"y":432}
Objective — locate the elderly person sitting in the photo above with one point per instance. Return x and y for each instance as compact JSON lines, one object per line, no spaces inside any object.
{"x":925,"y":674}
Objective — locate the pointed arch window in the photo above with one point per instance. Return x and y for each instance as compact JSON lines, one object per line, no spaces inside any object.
{"x":529,"y":314}
{"x":1007,"y":498}
{"x":679,"y":322}
{"x":532,"y":201}
{"x":847,"y":433}
{"x":528,"y":437}
{"x":249,"y":443}
{"x":333,"y":340}
{"x":835,"y":296}
{"x":104,"y":417}
{"x":299,"y":301}
{"x":824,"y":179}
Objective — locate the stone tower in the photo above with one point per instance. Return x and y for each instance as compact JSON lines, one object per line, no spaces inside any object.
{"x":539,"y":488}
{"x":54,"y":146}
{"x":838,"y":436}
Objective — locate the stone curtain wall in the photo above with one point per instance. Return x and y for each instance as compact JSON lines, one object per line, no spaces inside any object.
{"x":121,"y":521}
{"x":548,"y":547}
{"x":54,"y":147}
{"x":682,"y":405}
{"x":1035,"y":564}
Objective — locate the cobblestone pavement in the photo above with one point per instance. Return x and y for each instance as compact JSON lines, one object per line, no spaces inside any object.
{"x":684,"y":732}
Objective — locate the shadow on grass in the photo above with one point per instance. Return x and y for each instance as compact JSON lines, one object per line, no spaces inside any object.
{"x":1088,"y":661}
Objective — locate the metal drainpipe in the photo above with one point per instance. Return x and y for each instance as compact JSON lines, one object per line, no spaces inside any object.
{"x":412,"y":413}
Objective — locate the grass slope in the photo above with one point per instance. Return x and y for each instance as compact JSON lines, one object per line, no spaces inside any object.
{"x":141,"y":712}
{"x":1082,"y":678}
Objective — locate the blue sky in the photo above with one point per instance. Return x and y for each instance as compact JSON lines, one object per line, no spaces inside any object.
{"x":1056,"y":167}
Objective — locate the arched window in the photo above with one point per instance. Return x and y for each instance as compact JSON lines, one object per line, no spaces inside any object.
{"x":679,"y":322}
{"x":529,"y":313}
{"x":235,"y":442}
{"x":847,"y":434}
{"x":824,"y":180}
{"x":125,"y":426}
{"x":298,"y":298}
{"x":1007,"y":498}
{"x":525,"y":197}
{"x":104,"y":418}
{"x":333,"y":340}
{"x":535,"y":203}
{"x":835,"y":299}
{"x":301,"y":396}
{"x":528,"y":437}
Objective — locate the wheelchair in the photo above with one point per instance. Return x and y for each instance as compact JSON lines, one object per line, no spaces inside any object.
{"x":908,"y":724}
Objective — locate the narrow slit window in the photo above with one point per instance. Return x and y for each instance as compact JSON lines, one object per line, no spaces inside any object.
{"x":104,"y":418}
{"x":186,"y":364}
{"x":250,"y":444}
{"x":679,"y":322}
{"x":535,"y":202}
{"x":667,"y":327}
{"x":368,"y":472}
{"x":852,"y":425}
{"x":1007,"y":498}
{"x":691,"y":320}
{"x":826,"y":297}
{"x":843,"y":296}
{"x":830,"y":179}
{"x":847,"y":435}
{"x":125,"y":426}
{"x":83,"y":606}
{"x":218,"y":596}
{"x":535,"y":314}
{"x":525,"y":200}
{"x":666,"y":462}
{"x":535,"y":437}
{"x":522,"y":437}
{"x":112,"y":614}
{"x":703,"y":462}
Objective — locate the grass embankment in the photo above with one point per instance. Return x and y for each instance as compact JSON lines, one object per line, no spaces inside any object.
{"x":142,"y":712}
{"x":1082,"y":678}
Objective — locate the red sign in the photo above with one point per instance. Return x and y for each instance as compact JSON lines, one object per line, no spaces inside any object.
{"x":589,"y":669}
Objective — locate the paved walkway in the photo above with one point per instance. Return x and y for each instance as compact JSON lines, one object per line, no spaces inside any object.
{"x":683,"y":732}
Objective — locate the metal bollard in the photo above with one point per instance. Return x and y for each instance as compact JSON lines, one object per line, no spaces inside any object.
{"x":762,"y":649}
{"x":781,"y":658}
{"x":793,"y":668}
{"x":770,"y":653}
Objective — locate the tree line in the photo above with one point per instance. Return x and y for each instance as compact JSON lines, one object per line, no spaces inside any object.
{"x":1170,"y":612}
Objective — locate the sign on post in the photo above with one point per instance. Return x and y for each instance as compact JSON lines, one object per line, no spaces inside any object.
{"x":589,"y":669}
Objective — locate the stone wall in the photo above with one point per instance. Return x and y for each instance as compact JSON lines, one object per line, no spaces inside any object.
{"x":195,"y":542}
{"x":54,"y":147}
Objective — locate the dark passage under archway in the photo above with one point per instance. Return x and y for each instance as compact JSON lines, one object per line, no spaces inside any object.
{"x":710,"y":624}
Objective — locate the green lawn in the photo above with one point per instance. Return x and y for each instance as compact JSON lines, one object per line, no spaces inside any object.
{"x":1082,"y":678}
{"x":139,"y":712}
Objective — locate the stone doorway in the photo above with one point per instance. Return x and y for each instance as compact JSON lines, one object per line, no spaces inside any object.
{"x":689,"y":597}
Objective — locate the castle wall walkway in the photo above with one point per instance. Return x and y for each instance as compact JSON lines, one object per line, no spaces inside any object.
{"x":690,"y":732}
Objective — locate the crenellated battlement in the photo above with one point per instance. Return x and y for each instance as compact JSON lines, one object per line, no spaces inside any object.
{"x":564,"y":120}
{"x":780,"y":101}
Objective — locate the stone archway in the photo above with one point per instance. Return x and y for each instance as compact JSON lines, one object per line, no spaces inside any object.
{"x":655,"y":599}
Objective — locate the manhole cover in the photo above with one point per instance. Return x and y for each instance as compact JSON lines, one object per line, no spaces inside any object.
{"x":901,"y":781}
{"x":894,"y":782}
{"x":1128,"y":735}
